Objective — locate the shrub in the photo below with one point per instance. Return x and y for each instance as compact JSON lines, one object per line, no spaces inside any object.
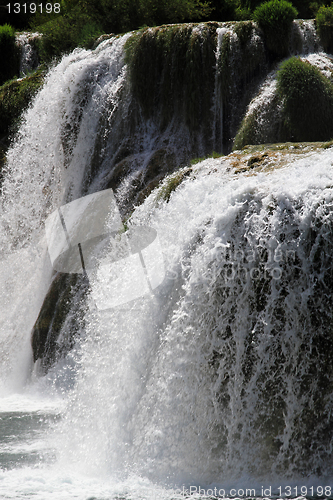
{"x":307,"y":100}
{"x":275,"y":19}
{"x":9,"y":54}
{"x":64,"y":33}
{"x":324,"y":21}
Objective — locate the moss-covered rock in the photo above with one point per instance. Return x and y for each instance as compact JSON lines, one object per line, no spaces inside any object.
{"x":171,"y":183}
{"x":307,"y":97}
{"x":172,"y":68}
{"x":15,"y":97}
{"x":60,"y":319}
{"x":266,"y":157}
{"x":242,"y":63}
{"x":294,"y":104}
{"x":262,"y":125}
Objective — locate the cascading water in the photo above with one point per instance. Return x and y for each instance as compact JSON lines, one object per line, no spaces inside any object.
{"x":28,"y":56}
{"x":221,"y":376}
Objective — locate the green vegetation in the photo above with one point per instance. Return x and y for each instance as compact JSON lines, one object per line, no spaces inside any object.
{"x":301,"y":109}
{"x":80,"y":22}
{"x":15,"y":97}
{"x":263,"y":125}
{"x":307,"y":101}
{"x":171,"y":183}
{"x":9,"y":53}
{"x":241,"y":10}
{"x":63,"y":34}
{"x":324,"y":21}
{"x":275,"y":19}
{"x":214,"y":154}
{"x":118,"y":16}
{"x":172,"y":69}
{"x":238,"y":75}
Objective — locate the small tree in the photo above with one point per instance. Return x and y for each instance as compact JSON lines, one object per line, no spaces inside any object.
{"x":275,"y":19}
{"x":324,"y":21}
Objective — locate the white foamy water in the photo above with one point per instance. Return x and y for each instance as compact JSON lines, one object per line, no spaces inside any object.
{"x":42,"y":165}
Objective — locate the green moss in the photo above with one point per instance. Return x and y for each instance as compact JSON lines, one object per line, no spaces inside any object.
{"x":15,"y":97}
{"x":172,"y":72}
{"x":307,"y":101}
{"x":171,"y":183}
{"x":263,"y":125}
{"x":301,"y":110}
{"x":246,"y":132}
{"x":9,"y":54}
{"x":214,"y":154}
{"x":241,"y":65}
{"x":324,"y":20}
{"x":194,"y":161}
{"x":275,"y":19}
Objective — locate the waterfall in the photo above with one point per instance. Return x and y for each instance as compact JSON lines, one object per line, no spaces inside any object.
{"x":29,"y":55}
{"x":44,"y":167}
{"x":304,"y":37}
{"x":219,"y":374}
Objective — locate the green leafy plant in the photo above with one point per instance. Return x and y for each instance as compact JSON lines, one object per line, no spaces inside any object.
{"x":118,"y":16}
{"x":64,"y":33}
{"x":307,"y":100}
{"x":9,"y":54}
{"x":275,"y":19}
{"x":324,"y":20}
